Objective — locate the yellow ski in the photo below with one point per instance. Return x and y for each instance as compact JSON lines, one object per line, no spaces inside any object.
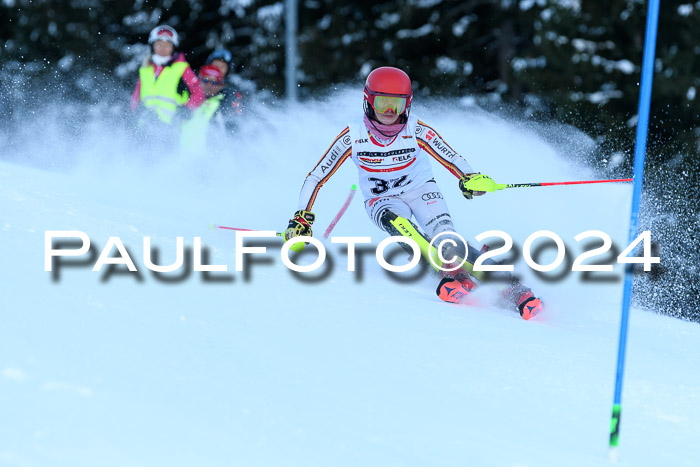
{"x":409,"y":230}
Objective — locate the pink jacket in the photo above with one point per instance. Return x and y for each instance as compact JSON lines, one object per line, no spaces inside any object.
{"x":191,"y":81}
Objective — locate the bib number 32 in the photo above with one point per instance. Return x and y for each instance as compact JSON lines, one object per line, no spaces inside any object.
{"x":382,"y":186}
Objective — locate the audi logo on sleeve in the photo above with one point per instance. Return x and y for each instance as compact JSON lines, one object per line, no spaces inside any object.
{"x":431,"y":195}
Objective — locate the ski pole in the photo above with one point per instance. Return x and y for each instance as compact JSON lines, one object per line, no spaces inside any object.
{"x":297,"y":247}
{"x":279,"y":234}
{"x":485,"y":183}
{"x":337,"y":217}
{"x":335,"y":220}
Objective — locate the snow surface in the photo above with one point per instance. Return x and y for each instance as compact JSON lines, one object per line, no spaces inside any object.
{"x":100,"y":369}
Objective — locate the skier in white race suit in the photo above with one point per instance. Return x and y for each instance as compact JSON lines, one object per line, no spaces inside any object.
{"x":392,"y":151}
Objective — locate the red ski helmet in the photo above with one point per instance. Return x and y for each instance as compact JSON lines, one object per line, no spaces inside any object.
{"x":211,"y":74}
{"x":388,"y":88}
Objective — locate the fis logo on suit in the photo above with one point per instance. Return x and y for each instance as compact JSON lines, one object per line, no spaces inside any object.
{"x":431,"y":195}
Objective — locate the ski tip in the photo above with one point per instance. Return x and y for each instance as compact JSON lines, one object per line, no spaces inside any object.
{"x":212,"y":227}
{"x":353,"y":187}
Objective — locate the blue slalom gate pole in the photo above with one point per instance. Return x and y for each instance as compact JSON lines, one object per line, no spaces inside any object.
{"x":639,"y":155}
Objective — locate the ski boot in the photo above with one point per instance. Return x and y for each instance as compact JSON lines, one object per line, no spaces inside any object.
{"x":455,"y":289}
{"x":455,"y":285}
{"x":528,"y":305}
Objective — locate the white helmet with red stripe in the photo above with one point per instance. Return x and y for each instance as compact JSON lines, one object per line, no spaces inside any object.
{"x":164,"y":33}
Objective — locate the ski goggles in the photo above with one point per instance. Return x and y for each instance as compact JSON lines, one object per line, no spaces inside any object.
{"x":383,"y":104}
{"x":164,"y":34}
{"x":221,"y":54}
{"x":215,"y":82}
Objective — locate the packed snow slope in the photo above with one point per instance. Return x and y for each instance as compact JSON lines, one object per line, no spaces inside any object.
{"x":267,"y":368}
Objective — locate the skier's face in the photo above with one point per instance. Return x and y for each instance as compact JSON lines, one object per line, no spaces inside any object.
{"x":221,"y":65}
{"x":387,"y":118}
{"x":163,"y":48}
{"x":210,"y":87}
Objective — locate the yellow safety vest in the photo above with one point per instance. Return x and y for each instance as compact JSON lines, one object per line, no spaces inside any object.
{"x":207,"y":110}
{"x":194,"y":130}
{"x":160,"y":94}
